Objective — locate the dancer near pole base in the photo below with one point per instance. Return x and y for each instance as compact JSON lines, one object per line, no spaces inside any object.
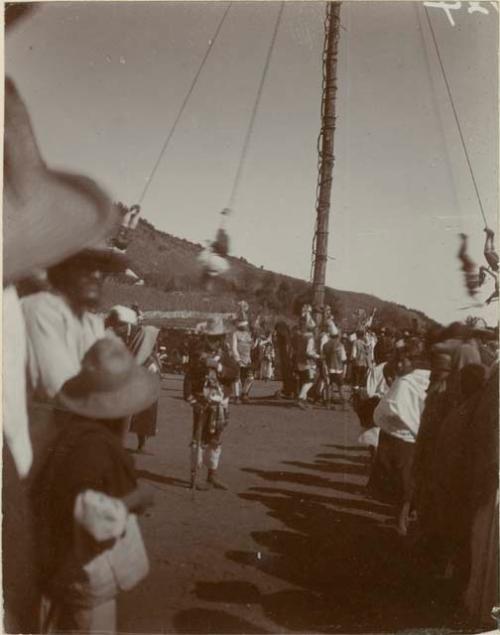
{"x":242,"y":344}
{"x":212,"y":372}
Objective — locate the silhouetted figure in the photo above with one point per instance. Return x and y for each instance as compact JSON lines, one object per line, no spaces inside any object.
{"x":489,"y":250}
{"x":469,"y":267}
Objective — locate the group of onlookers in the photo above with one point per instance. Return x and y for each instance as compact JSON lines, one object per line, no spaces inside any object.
{"x":320,"y":364}
{"x":430,"y":413}
{"x":70,"y":498}
{"x":75,"y":383}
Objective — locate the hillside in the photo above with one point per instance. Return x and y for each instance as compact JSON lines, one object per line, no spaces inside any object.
{"x":169,"y":268}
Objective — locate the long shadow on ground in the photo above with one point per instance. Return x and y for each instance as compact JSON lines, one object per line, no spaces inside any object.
{"x":348,"y":570}
{"x":160,"y":478}
{"x":199,"y":620}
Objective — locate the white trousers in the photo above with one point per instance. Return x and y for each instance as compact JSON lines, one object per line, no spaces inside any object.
{"x":205,"y":455}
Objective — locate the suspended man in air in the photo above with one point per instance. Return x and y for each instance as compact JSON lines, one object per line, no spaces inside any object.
{"x":476,"y":276}
{"x":213,"y":258}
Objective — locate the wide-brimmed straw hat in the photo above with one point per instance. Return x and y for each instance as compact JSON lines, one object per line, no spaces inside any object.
{"x":124,"y":314}
{"x":441,"y":363}
{"x":106,"y":258}
{"x":48,"y":215}
{"x":241,"y":319}
{"x":110,"y":384}
{"x":215,"y":327}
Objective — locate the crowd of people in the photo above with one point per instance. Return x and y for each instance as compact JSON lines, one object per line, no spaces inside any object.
{"x":75,"y":382}
{"x":70,"y":498}
{"x":429,"y":408}
{"x":427,"y":402}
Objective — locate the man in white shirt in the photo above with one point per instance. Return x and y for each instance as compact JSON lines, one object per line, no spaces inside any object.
{"x":398,"y":417}
{"x":60,"y":329}
{"x":61,"y":325}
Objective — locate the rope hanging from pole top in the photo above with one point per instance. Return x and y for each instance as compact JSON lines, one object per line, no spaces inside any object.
{"x":474,"y":276}
{"x":246,"y":143}
{"x":214,"y":258}
{"x":455,"y":114}
{"x":184,"y":104}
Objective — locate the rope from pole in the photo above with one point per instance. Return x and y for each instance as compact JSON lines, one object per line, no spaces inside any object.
{"x":183,"y":105}
{"x":455,"y":114}
{"x":246,"y":143}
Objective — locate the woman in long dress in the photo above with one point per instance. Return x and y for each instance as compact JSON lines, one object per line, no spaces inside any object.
{"x":143,"y":347}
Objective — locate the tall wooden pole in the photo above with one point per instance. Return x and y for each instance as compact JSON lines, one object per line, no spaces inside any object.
{"x":325,"y":148}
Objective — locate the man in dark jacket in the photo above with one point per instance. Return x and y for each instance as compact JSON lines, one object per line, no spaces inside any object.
{"x":212,"y":371}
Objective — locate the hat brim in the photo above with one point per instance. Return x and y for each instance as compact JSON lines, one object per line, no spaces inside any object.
{"x":215,"y":333}
{"x":109,"y":260}
{"x":141,"y":391}
{"x":48,"y":215}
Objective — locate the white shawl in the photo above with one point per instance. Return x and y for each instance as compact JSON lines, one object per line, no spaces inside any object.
{"x":400,"y":409}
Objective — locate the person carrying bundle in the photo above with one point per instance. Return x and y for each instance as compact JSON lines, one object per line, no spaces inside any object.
{"x":86,"y":497}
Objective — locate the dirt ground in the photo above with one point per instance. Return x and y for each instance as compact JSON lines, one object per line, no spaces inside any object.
{"x":293,"y":546}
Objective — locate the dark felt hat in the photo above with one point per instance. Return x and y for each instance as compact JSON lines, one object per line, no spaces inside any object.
{"x":110,"y":384}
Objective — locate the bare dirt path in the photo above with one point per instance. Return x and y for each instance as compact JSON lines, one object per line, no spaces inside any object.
{"x":293,"y":546}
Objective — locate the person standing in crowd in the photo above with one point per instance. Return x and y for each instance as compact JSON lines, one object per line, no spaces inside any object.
{"x":359,"y":357}
{"x":62,"y":323}
{"x":185,"y":354}
{"x":365,"y":401}
{"x":90,"y":546}
{"x":61,"y":326}
{"x":140,"y":315}
{"x":445,"y":476}
{"x":479,"y":514}
{"x":143,"y":347}
{"x":321,"y":388}
{"x":437,"y":405}
{"x":212,"y":371}
{"x":328,"y":324}
{"x":306,"y":358}
{"x":242,"y":352}
{"x":348,"y":344}
{"x":285,"y":359}
{"x":122,"y":322}
{"x":398,"y":416}
{"x":266,"y":355}
{"x":163,"y":358}
{"x":458,"y":342}
{"x":384,"y":347}
{"x":371,"y":341}
{"x":335,"y":360}
{"x":39,"y":230}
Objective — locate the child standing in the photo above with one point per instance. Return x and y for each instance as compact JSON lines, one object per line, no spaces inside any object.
{"x":87,"y":496}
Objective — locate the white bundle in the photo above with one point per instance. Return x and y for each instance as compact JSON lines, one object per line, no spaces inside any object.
{"x":213,"y":264}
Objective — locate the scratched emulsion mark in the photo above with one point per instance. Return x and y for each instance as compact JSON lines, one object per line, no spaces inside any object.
{"x":473,"y":7}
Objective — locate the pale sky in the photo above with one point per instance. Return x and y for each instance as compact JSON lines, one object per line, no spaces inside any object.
{"x":104,"y":82}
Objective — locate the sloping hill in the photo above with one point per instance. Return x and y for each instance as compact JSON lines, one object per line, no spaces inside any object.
{"x":168,"y":265}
